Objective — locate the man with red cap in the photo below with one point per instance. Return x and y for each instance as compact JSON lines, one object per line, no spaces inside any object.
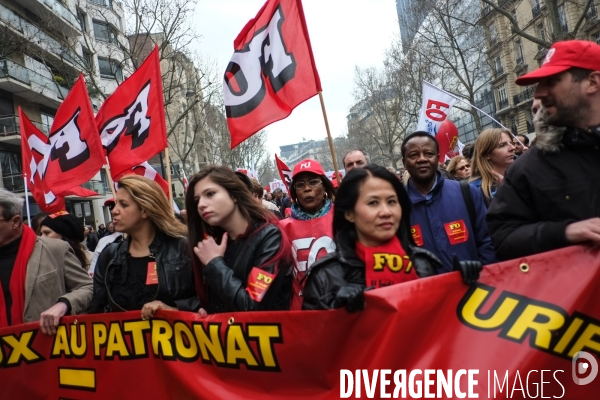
{"x":549,"y":196}
{"x":310,"y":227}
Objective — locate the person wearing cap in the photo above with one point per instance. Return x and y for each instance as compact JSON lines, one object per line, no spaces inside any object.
{"x":67,"y":227}
{"x":549,"y":196}
{"x":40,"y":278}
{"x":310,"y":226}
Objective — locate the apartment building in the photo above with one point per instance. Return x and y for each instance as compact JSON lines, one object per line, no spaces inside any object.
{"x":511,"y":55}
{"x":44,"y":46}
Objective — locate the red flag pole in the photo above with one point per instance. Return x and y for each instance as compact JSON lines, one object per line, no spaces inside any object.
{"x":168,"y":172}
{"x":335,"y":164}
{"x":110,"y":181}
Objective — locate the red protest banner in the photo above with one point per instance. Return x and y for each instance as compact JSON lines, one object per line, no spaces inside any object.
{"x":518,"y":328}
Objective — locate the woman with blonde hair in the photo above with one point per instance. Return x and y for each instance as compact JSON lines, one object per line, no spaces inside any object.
{"x":151,"y":270}
{"x":493,"y":154}
{"x":459,"y":168}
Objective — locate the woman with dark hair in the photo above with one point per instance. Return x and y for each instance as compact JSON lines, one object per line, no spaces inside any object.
{"x":151,"y":269}
{"x":243,"y":261}
{"x":312,"y":218}
{"x":67,"y":227}
{"x":371,"y":217}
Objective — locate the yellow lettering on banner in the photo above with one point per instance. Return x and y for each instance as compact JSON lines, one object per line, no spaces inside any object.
{"x":20,"y":348}
{"x":61,"y":343}
{"x":568,"y":335}
{"x":186,"y":352}
{"x":137,"y":329}
{"x":212,"y":345}
{"x":78,"y":341}
{"x":586,"y":340}
{"x":542,"y":331}
{"x":116,"y":342}
{"x":100,"y":336}
{"x":475,"y":301}
{"x":237,"y":347}
{"x":162,"y":333}
{"x":380,"y":261}
{"x":265,"y":335}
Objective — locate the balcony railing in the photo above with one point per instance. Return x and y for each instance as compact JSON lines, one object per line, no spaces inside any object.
{"x":9,"y":126}
{"x":10,"y":69}
{"x":536,"y":11}
{"x":35,"y":35}
{"x":62,"y":10}
{"x":502,"y":103}
{"x":524,"y":95}
{"x":499,"y":71}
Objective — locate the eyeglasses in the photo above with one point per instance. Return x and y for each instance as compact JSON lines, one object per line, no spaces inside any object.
{"x":463,"y":167}
{"x":312,"y":183}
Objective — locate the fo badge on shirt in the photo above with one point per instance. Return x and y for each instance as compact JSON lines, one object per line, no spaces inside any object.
{"x":152,"y":276}
{"x":416,"y":234}
{"x":258,"y":283}
{"x":457,"y":232}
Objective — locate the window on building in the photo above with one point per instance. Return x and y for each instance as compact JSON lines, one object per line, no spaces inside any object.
{"x":82,"y":18}
{"x":493,"y":34}
{"x":519,"y":52}
{"x":105,"y":3}
{"x":498,"y":65}
{"x":87,"y":58}
{"x":12,"y":178}
{"x":47,"y":120}
{"x":104,"y":32}
{"x":110,"y":69}
{"x":592,"y":11}
{"x":502,"y":96}
{"x":596,"y":37}
{"x":562,"y":18}
{"x":541,"y":31}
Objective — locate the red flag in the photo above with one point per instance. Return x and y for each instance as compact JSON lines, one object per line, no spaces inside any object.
{"x":284,"y":172}
{"x":272,"y":70}
{"x":147,"y":171}
{"x":132,"y":120}
{"x":72,"y":153}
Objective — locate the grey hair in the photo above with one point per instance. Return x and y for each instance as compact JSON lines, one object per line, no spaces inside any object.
{"x":352,"y":151}
{"x":10,"y":204}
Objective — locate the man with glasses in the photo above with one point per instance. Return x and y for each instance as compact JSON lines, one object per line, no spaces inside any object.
{"x":24,"y":258}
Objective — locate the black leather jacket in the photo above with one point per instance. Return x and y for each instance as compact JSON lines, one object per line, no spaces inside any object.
{"x":175,"y":276}
{"x":226,"y":278}
{"x":344,"y":268}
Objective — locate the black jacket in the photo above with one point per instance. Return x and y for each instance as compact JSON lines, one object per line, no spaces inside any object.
{"x":91,"y":242}
{"x":175,"y":276}
{"x":343,"y":268}
{"x":226,"y":278}
{"x":544,"y":191}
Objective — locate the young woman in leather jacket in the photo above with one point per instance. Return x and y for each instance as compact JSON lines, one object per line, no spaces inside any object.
{"x":375,"y":246}
{"x":243,"y":260}
{"x":151,"y":270}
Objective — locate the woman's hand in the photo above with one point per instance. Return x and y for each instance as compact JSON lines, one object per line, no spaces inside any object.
{"x":50,"y":318}
{"x":202,"y":313}
{"x":208,"y":249}
{"x":149,"y":309}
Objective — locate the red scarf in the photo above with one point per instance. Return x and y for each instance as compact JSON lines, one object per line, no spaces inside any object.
{"x":17,"y":281}
{"x":386,"y":264}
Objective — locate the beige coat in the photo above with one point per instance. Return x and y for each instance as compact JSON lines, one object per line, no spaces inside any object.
{"x":54,"y":272}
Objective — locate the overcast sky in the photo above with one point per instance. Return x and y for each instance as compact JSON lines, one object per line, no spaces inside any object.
{"x":343,"y":33}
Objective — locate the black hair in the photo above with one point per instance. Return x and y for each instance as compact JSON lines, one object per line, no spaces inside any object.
{"x":352,"y":151}
{"x":525,"y":140}
{"x":468,"y":151}
{"x":419,"y":134}
{"x":347,"y":197}
{"x":246,"y":179}
{"x":579,"y":74}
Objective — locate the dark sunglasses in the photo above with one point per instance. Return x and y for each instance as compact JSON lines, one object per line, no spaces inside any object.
{"x":463,"y":167}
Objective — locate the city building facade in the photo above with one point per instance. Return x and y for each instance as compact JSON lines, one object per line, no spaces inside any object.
{"x":511,"y":55}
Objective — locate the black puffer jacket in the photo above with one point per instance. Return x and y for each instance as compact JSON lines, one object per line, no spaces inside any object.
{"x":344,"y":268}
{"x":226,"y":278}
{"x":175,"y":277}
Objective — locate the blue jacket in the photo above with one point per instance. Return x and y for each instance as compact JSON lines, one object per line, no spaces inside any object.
{"x":439,"y":220}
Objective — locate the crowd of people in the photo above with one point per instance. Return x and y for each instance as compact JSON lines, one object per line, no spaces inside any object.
{"x":317,"y":249}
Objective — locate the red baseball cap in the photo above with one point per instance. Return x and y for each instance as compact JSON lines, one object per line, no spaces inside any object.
{"x":308,"y":165}
{"x":562,"y":56}
{"x":109,"y":202}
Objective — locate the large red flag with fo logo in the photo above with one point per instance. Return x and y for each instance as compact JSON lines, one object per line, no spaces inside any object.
{"x":272,"y":69}
{"x":132,"y":120}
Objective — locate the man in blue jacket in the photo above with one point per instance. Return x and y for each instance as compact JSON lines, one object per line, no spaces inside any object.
{"x":440,"y":219}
